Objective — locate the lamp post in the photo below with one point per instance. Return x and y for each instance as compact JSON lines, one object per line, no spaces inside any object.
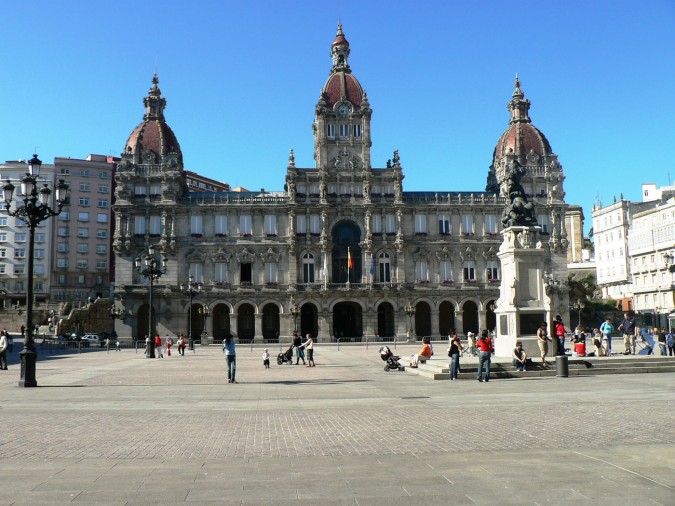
{"x":34,"y":210}
{"x":578,"y":306}
{"x":150,"y":268}
{"x":410,"y":311}
{"x":204,"y":311}
{"x":190,"y":291}
{"x":295,"y":311}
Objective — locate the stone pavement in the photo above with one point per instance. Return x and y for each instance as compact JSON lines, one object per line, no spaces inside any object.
{"x":117,"y":428}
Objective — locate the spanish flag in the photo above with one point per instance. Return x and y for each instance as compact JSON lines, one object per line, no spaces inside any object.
{"x":350,"y":262}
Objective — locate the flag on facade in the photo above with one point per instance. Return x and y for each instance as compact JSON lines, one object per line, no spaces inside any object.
{"x":325,"y":267}
{"x":350,"y":263}
{"x":372,"y":265}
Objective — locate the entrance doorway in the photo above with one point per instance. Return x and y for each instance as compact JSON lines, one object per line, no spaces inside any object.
{"x":385,"y":320}
{"x":246,"y":322}
{"x":309,"y":320}
{"x":470,"y":317}
{"x":446,"y":318}
{"x":270,"y":322}
{"x":347,"y":320}
{"x":346,"y":253}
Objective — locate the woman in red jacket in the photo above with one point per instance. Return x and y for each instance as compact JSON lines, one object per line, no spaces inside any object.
{"x":485,"y":349}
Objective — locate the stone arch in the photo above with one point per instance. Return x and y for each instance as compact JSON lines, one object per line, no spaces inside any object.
{"x":446,"y":317}
{"x":386,"y":319}
{"x":470,"y":319}
{"x":270,"y":321}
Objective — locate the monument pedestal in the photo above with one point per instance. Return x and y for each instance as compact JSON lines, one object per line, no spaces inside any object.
{"x":523,"y":302}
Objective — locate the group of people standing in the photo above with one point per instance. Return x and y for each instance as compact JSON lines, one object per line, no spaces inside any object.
{"x":181,"y":343}
{"x":485,"y":347}
{"x":300,"y":348}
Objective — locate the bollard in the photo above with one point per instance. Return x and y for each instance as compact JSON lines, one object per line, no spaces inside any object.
{"x":561,"y":366}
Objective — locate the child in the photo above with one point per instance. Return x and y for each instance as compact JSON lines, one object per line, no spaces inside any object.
{"x":266,"y":359}
{"x":471,"y":344}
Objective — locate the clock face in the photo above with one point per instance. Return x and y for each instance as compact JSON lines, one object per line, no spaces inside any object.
{"x":343,"y":110}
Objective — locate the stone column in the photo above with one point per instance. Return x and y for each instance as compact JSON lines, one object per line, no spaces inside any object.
{"x":258,"y":336}
{"x":459,"y":322}
{"x":434,"y":314}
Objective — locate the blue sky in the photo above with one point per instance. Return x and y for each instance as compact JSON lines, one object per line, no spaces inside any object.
{"x":242,"y":79}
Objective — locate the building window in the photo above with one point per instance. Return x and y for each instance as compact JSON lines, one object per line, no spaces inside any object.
{"x":444,"y":224}
{"x":377,"y":224}
{"x":62,"y":247}
{"x":19,"y":253}
{"x":101,"y":218}
{"x":3,"y":221}
{"x":422,"y":272}
{"x":139,"y":191}
{"x":84,"y":172}
{"x":344,"y":131}
{"x":64,"y":172}
{"x":314,"y":224}
{"x":84,"y":187}
{"x":490,"y":224}
{"x":330,"y":131}
{"x":139,"y":225}
{"x":357,"y":131}
{"x":62,"y":263}
{"x":301,"y":224}
{"x":221,"y":272}
{"x":390,"y":224}
{"x":420,"y":224}
{"x":271,"y":272}
{"x":492,"y":273}
{"x":197,"y":271}
{"x":19,"y":269}
{"x":101,"y":264}
{"x":445,"y":271}
{"x":3,"y":268}
{"x":103,"y":174}
{"x":155,"y":226}
{"x":270,"y":225}
{"x":39,"y":270}
{"x":102,"y":202}
{"x":39,"y":237}
{"x":39,"y":253}
{"x":196,"y":225}
{"x":245,"y":225}
{"x":103,"y":188}
{"x":543,"y":222}
{"x":20,"y":237}
{"x":467,"y":224}
{"x":82,"y":263}
{"x":82,"y":216}
{"x":102,"y":233}
{"x":384,"y":268}
{"x":83,"y":247}
{"x":3,"y":237}
{"x":101,"y":249}
{"x":82,"y":232}
{"x":3,"y":253}
{"x":221,"y":225}
{"x":64,"y":216}
{"x":308,"y":268}
{"x":84,"y":201}
{"x":469,"y":272}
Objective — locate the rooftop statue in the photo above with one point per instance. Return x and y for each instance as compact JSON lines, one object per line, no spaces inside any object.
{"x":519,"y":212}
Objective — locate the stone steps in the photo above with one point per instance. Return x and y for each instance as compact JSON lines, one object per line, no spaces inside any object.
{"x":439,"y":369}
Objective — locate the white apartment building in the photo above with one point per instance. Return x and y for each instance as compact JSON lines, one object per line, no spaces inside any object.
{"x":651,"y":246}
{"x":14,"y":237}
{"x":610,"y":231}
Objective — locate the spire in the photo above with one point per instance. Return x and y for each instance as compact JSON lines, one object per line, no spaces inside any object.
{"x":519,"y":105}
{"x":154,"y":103}
{"x":339,"y":51}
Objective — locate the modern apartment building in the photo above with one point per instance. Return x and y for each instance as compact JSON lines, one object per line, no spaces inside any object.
{"x":81,"y":235}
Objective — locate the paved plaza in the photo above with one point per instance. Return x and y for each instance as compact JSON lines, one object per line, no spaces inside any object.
{"x":117,"y":428}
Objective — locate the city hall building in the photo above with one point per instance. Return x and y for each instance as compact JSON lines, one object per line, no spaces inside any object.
{"x":340,"y":251}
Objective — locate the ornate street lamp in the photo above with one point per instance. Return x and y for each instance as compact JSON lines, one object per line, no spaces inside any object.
{"x":190,"y":291}
{"x":295,"y":311}
{"x":410,"y":311}
{"x":115,"y":313}
{"x":34,"y":210}
{"x":578,"y":306}
{"x":204,"y":311}
{"x":151,"y":268}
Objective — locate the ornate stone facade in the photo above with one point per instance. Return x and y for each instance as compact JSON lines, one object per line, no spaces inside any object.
{"x":343,"y":243}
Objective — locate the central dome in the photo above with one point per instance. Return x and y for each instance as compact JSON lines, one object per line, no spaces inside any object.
{"x":153,"y":140}
{"x":341,"y":85}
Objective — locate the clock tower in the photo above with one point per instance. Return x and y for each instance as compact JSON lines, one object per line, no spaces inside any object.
{"x":342,"y":117}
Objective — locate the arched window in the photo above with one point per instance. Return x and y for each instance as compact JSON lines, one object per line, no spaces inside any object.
{"x":308,"y":268}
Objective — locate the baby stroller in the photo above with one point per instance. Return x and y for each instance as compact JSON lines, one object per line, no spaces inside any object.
{"x":391,"y":360}
{"x":644,"y":345}
{"x":285,"y":357}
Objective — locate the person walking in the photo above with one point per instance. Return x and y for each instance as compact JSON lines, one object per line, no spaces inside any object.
{"x":607,"y":329}
{"x":542,"y":341}
{"x":309,"y":346}
{"x":147,"y":345}
{"x":169,"y":344}
{"x":3,"y":351}
{"x":180,"y":344}
{"x":560,"y":333}
{"x":230,"y":357}
{"x":266,"y":358}
{"x":629,"y":330}
{"x":670,"y":341}
{"x":454,"y":352}
{"x":299,"y":350}
{"x":158,"y":346}
{"x":485,"y":349}
{"x":662,"y":340}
